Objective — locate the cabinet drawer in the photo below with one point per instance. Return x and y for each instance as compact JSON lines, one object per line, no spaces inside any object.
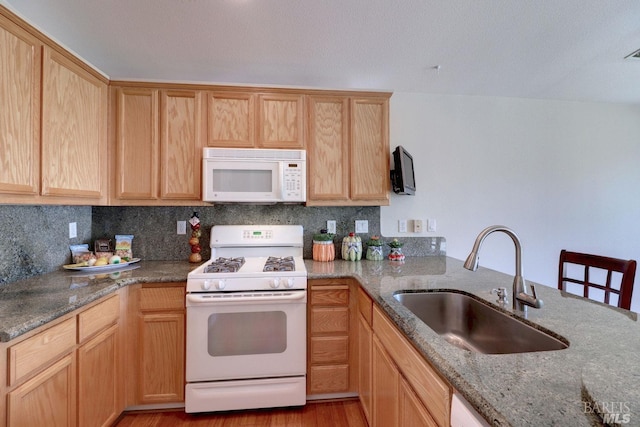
{"x":330,"y":295}
{"x":328,"y":379}
{"x":365,"y":305}
{"x":330,"y":320}
{"x":37,"y":351}
{"x":98,"y":317}
{"x":162,"y":298}
{"x":329,"y":349}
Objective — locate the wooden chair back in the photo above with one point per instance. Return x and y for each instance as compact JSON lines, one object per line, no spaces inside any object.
{"x":627,"y":269}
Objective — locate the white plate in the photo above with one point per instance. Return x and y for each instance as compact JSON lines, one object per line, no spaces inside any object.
{"x":98,"y":267}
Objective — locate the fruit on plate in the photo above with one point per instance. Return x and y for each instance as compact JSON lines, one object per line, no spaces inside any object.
{"x":101,"y":261}
{"x":114,"y":260}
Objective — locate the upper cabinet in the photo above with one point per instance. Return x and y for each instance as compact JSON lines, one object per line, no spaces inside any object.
{"x":74,"y":125}
{"x":248,"y":119}
{"x":159,"y":136}
{"x":52,"y":122}
{"x":281,"y":121}
{"x":348,"y":150}
{"x":20,"y":64}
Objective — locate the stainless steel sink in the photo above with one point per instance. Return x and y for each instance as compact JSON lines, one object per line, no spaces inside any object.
{"x":476,"y":326}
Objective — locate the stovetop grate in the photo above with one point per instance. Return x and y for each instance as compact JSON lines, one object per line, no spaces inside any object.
{"x":225,"y":265}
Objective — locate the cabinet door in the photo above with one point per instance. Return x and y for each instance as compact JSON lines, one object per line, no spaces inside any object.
{"x":386,"y":382}
{"x":328,"y":149}
{"x":161,"y":357}
{"x":412,"y":412}
{"x":137,"y":146}
{"x":231,"y":120}
{"x":98,"y":380}
{"x":365,"y":336}
{"x":74,"y":146}
{"x":20,"y":64}
{"x":280,"y":121}
{"x":181,"y":145}
{"x":370,"y":180}
{"x":46,"y":399}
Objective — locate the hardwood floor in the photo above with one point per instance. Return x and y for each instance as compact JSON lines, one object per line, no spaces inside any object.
{"x":314,"y":414}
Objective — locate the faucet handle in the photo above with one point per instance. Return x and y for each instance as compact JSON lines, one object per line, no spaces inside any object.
{"x":503,"y":296}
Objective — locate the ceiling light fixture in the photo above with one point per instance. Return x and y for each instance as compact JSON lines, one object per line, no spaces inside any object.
{"x":634,"y":55}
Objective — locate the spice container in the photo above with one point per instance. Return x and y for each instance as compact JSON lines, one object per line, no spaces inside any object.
{"x":396,"y":251}
{"x":352,"y":248}
{"x":323,"y":248}
{"x":374,"y":249}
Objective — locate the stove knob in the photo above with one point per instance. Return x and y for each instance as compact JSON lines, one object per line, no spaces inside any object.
{"x":205,"y":285}
{"x":275,"y":283}
{"x":220,"y":284}
{"x":290,"y":283}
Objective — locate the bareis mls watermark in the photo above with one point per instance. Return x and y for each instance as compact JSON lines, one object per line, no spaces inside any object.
{"x":610,"y":412}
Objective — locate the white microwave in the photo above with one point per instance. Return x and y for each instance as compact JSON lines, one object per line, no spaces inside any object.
{"x":254,"y":175}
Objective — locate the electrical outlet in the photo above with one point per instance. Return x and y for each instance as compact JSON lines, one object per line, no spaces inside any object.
{"x":402,"y":225}
{"x":331,"y":226}
{"x":181,"y":227}
{"x":417,"y":226}
{"x":431,"y":225}
{"x":362,"y":226}
{"x":73,"y":230}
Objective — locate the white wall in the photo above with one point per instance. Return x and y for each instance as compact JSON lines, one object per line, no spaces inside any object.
{"x":561,"y":174}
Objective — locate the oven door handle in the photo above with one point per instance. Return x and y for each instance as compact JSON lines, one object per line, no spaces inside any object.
{"x":228,"y":298}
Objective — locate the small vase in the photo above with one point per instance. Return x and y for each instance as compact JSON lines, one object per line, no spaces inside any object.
{"x":396,"y":254}
{"x":374,"y":253}
{"x":324,"y":251}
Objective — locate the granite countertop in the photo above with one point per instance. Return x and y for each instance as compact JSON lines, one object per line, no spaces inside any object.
{"x":600,"y":367}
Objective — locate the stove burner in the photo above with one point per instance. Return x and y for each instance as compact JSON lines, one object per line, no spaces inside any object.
{"x":225,"y":265}
{"x":280,"y":264}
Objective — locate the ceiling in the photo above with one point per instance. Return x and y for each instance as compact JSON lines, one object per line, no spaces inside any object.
{"x":547,"y":49}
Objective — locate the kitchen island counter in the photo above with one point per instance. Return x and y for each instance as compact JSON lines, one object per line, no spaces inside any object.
{"x":526,"y":389}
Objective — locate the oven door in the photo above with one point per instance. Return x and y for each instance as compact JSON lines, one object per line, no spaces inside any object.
{"x":246,"y":335}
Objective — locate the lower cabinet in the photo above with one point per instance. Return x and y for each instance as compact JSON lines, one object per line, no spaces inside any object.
{"x":332,"y":351}
{"x":67,"y":374}
{"x":48,"y":398}
{"x":365,"y":354}
{"x":407,"y":391}
{"x":160,"y":344}
{"x":97,"y":385}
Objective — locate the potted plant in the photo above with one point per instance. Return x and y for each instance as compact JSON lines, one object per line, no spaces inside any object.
{"x":374,"y":249}
{"x":323,"y":247}
{"x":396,"y":250}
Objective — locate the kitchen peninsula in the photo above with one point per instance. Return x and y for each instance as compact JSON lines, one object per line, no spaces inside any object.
{"x":543,"y":388}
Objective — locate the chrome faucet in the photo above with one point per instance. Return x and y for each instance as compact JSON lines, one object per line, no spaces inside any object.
{"x":521,"y":299}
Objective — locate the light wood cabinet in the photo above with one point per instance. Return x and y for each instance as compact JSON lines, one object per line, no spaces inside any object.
{"x":365,"y":352}
{"x":20,"y":74}
{"x":48,"y":398}
{"x":98,"y":387}
{"x":99,"y":373}
{"x":348,"y":150}
{"x":67,"y":374}
{"x":137,"y":144}
{"x":231,"y":119}
{"x":281,"y":121}
{"x":159,"y":135}
{"x":331,"y":352}
{"x":411,"y":411}
{"x":74,"y":143}
{"x":256,"y":120}
{"x":425,"y":393}
{"x":160,"y":344}
{"x":386,"y":382}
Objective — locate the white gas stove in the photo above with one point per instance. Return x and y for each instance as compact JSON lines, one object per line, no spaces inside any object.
{"x":246,"y":321}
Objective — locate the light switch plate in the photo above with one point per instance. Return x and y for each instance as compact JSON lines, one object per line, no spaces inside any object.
{"x":417,"y":226}
{"x":181,"y":227}
{"x":73,"y":230}
{"x":431,"y":225}
{"x":402,"y":226}
{"x":362,"y":226}
{"x":331,"y":226}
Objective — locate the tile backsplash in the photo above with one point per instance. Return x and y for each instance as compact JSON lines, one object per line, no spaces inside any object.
{"x":36,"y":238}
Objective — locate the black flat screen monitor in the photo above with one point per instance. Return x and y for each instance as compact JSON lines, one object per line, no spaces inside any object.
{"x":402,"y":177}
